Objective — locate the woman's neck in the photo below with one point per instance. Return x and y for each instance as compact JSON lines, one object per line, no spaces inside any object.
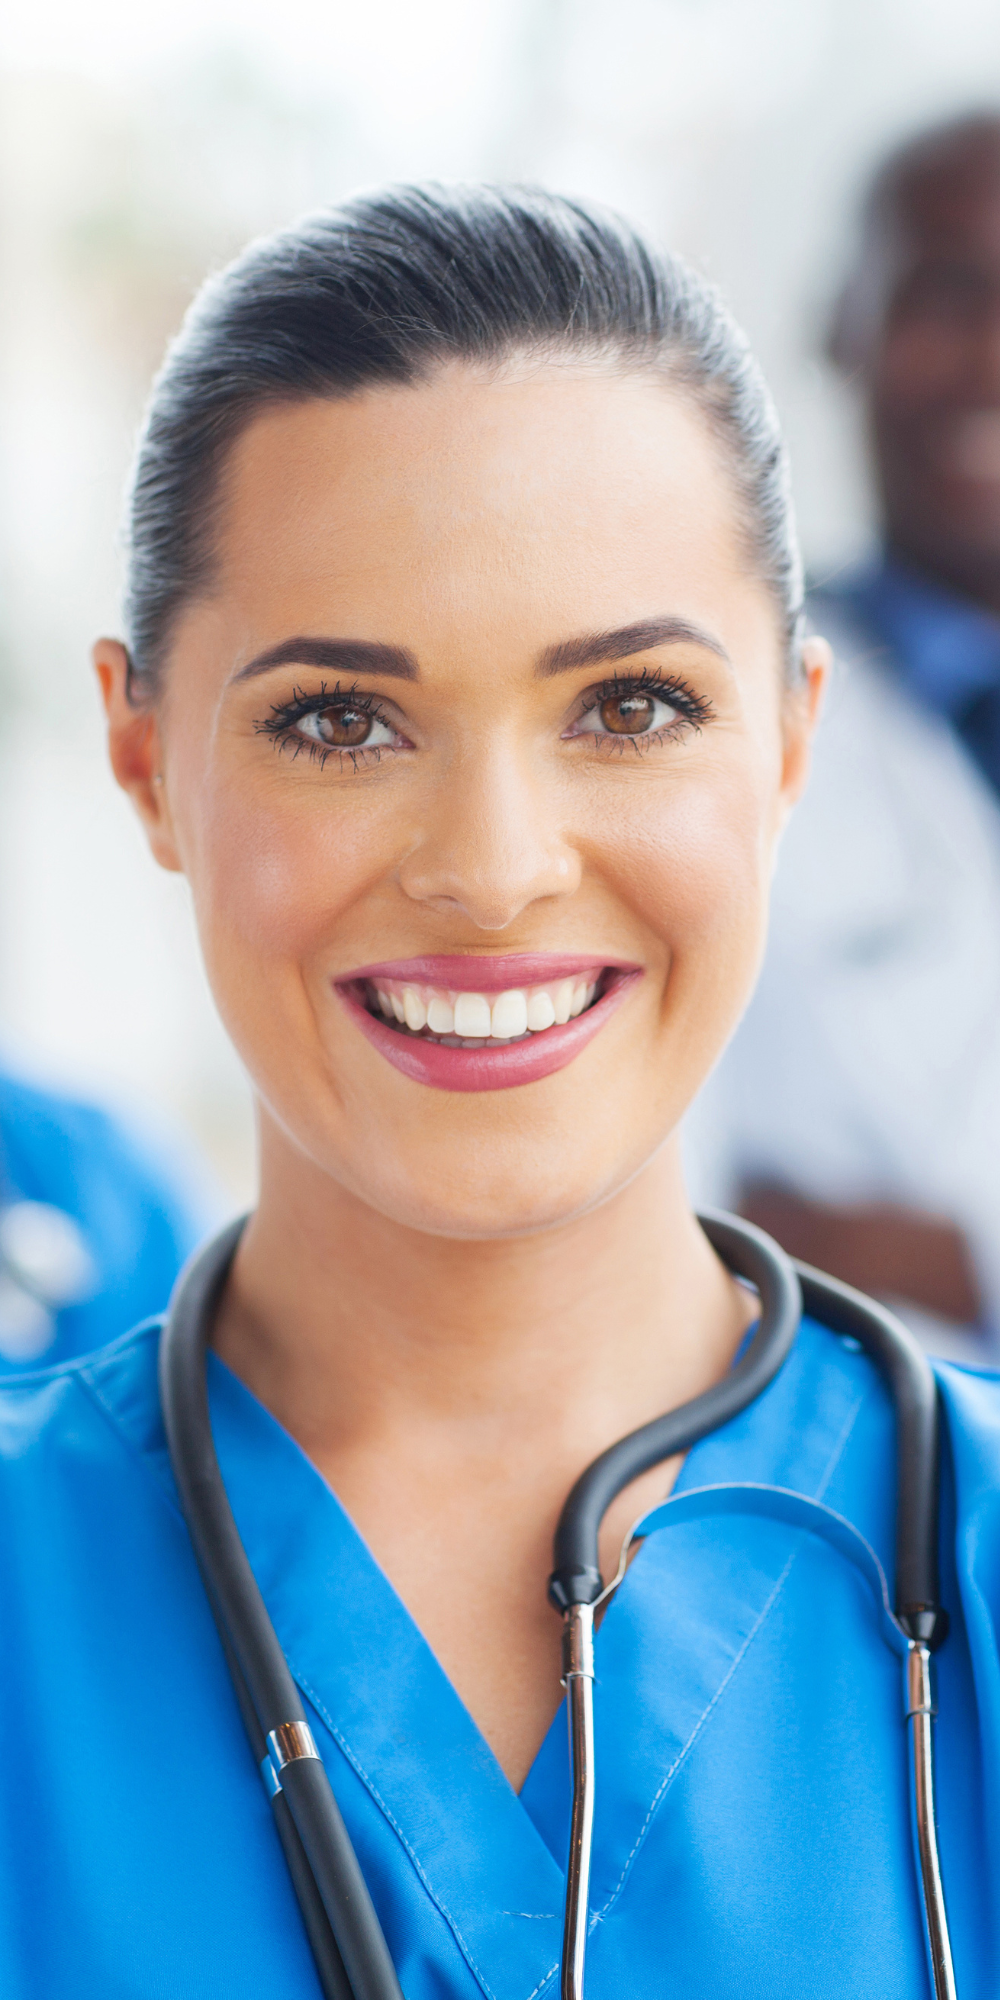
{"x":451,"y":1393}
{"x":349,"y":1325}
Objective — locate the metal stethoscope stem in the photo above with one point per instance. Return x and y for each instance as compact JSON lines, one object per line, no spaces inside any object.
{"x":920,"y":1712}
{"x":350,"y":1951}
{"x":920,"y":1625}
{"x":578,"y":1680}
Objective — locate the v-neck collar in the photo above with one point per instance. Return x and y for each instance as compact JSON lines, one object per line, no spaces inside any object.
{"x":671,"y":1642}
{"x":373,"y":1681}
{"x":690,"y":1606}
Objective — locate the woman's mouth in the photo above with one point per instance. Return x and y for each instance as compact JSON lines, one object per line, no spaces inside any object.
{"x":484,"y":1023}
{"x":466,"y":1020}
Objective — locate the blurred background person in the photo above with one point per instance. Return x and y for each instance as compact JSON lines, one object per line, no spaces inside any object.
{"x":94,"y":1225}
{"x":879,"y":1158}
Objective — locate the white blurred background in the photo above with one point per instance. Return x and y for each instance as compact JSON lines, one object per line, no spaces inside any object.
{"x":140,"y":149}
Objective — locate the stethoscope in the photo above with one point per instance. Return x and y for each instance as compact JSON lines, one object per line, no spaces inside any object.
{"x":351,"y":1954}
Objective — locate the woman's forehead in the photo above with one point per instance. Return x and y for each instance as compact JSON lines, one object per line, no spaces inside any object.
{"x":557,"y":480}
{"x":462,"y":451}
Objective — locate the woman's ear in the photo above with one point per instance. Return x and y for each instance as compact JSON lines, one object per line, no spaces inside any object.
{"x":135,"y":749}
{"x":803,"y":707}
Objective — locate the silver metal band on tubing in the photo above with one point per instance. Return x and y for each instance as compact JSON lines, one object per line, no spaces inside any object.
{"x":578,"y":1680}
{"x":352,"y":1957}
{"x":920,"y":1712}
{"x":577,"y":1583}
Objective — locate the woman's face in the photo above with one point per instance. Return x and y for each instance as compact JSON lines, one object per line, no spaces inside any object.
{"x":482,"y":723}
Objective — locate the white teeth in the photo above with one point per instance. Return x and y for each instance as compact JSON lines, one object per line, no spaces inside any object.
{"x":413,"y":1009}
{"x":474,"y":1017}
{"x":541,"y":1013}
{"x":472,"y":1014}
{"x":509,"y":1015}
{"x":562,"y":1001}
{"x":440,"y":1016}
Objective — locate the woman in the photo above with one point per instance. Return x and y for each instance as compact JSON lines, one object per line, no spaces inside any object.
{"x":464,"y":684}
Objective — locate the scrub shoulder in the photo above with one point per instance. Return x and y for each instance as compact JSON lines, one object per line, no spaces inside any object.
{"x":41,"y":1408}
{"x":99,"y":1412}
{"x":112,"y":1668}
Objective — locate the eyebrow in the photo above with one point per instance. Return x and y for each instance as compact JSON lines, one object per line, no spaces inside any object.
{"x":369,"y":656}
{"x":591,"y":649}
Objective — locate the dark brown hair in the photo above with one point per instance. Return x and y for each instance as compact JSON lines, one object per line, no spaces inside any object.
{"x":394,"y":283}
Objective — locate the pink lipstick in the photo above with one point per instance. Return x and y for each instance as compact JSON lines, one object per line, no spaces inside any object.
{"x":485,"y":1023}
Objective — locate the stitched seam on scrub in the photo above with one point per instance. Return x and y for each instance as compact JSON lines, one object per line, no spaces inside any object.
{"x":27,"y":1379}
{"x":374,"y":1792}
{"x":376,"y":1795}
{"x":135,"y":1451}
{"x":543,"y":1982}
{"x":683,"y":1753}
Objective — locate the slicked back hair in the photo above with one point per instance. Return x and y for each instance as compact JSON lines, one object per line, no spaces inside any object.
{"x":389,"y":287}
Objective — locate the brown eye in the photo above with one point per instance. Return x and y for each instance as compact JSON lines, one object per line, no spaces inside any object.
{"x":333,"y":723}
{"x":343,"y":726}
{"x":340,"y":725}
{"x":627,"y":714}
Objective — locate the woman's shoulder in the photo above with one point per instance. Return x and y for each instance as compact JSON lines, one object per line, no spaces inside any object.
{"x":99,"y":1412}
{"x":971,"y":1398}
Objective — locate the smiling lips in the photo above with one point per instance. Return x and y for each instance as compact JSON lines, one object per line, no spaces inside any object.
{"x":484,"y":1023}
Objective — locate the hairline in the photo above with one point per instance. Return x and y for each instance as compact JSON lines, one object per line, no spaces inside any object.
{"x":670,"y":367}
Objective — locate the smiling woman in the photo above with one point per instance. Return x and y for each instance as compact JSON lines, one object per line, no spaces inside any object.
{"x":464,"y":682}
{"x":519,"y":664}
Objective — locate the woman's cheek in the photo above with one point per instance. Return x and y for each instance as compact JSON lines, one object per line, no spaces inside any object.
{"x":694,"y":864}
{"x":279,"y":877}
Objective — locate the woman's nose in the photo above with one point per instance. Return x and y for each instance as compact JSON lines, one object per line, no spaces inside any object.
{"x":489,"y":847}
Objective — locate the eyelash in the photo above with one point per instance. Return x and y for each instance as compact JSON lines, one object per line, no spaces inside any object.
{"x":282,"y":724}
{"x":694,"y":710}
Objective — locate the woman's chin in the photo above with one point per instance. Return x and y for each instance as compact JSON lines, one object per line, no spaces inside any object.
{"x":466,"y":1209}
{"x":466,"y":1168}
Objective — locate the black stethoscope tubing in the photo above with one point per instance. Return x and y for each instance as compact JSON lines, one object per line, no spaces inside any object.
{"x":352,"y":1958}
{"x":786,"y":1290}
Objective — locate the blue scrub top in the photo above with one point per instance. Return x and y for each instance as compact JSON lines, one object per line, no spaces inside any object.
{"x":136,"y":1222}
{"x":752,"y":1835}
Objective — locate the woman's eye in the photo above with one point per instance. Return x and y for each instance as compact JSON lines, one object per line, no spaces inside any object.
{"x":626,"y":714}
{"x":341,"y":725}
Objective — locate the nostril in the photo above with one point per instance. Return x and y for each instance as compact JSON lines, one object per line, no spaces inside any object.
{"x":491,"y":889}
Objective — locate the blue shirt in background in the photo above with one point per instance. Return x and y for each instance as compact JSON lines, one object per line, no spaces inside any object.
{"x":944,"y":647}
{"x":126,"y":1226}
